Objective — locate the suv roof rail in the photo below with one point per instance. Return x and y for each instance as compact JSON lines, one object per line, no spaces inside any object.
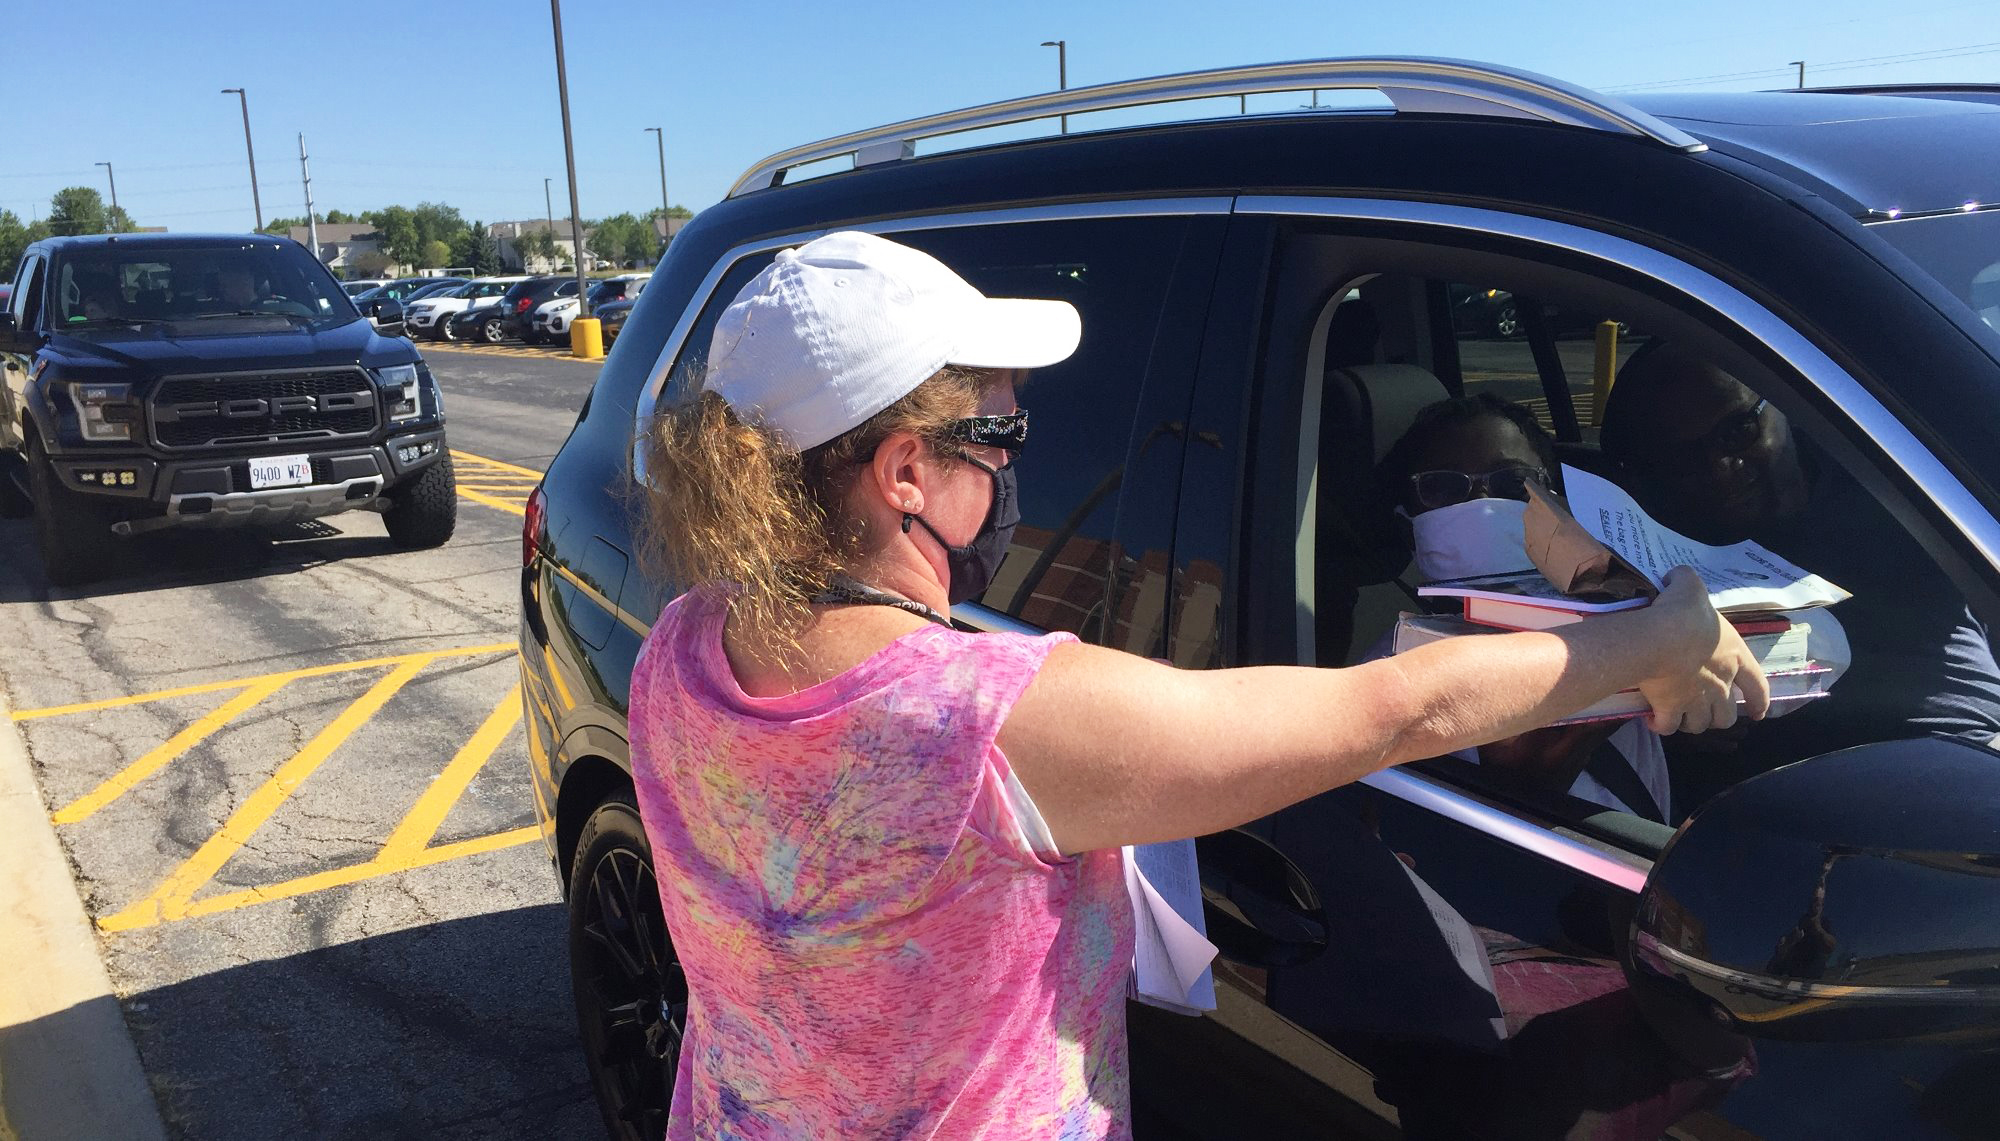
{"x":1412,"y":84}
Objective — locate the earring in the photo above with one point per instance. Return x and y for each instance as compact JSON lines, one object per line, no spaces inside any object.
{"x":907,"y":518}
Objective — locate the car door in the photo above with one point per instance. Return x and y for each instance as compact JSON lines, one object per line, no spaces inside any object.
{"x":17,"y":360}
{"x":1451,"y":954}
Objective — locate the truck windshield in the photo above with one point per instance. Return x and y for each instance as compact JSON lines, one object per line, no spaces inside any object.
{"x":1961,"y":250}
{"x":111,"y":286}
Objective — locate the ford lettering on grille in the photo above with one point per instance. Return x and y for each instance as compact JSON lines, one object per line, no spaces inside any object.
{"x":261,"y":408}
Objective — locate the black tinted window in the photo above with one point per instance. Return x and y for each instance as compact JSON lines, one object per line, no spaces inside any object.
{"x":1063,"y":570}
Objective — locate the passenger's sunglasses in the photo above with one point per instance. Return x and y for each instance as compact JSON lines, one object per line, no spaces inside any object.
{"x":1735,"y":434}
{"x":1009,"y":431}
{"x":1434,"y":489}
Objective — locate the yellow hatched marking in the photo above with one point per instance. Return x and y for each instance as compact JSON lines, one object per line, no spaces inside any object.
{"x":486,"y":500}
{"x":171,"y":899}
{"x":373,"y":869}
{"x":173,"y":747}
{"x":418,"y":828}
{"x":238,"y":683}
{"x":500,"y":464}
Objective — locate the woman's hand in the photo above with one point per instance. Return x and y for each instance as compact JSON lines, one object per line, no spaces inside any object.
{"x":1697,"y":692}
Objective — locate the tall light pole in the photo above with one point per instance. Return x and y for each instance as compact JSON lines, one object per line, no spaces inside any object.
{"x":1801,"y":65}
{"x":312,"y":222}
{"x":660,"y":137}
{"x":551,"y":210}
{"x":255,"y":201}
{"x":114,"y":184}
{"x":569,"y":159}
{"x":1062,"y":71}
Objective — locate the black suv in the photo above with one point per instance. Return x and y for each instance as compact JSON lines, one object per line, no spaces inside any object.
{"x":518,"y":304}
{"x":163,"y":380}
{"x":1806,"y":950}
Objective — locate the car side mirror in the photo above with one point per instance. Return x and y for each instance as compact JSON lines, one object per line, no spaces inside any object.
{"x":1854,"y":897}
{"x":9,"y":340}
{"x":387,"y":311}
{"x":1260,"y":908}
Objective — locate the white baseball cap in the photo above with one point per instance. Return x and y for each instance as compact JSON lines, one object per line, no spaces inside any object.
{"x":842,"y":327}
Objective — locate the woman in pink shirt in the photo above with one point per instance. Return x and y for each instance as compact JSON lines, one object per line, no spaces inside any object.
{"x":888,"y":849}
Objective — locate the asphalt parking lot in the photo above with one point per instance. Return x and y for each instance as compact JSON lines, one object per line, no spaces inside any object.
{"x":288,"y":771}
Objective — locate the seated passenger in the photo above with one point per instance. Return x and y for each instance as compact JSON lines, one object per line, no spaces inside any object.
{"x":1706,"y":456}
{"x":1460,"y":473}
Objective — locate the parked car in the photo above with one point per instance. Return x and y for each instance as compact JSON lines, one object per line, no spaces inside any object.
{"x":613,"y":314}
{"x":1800,"y":948}
{"x":166,"y":380}
{"x":359,"y":286}
{"x":432,"y":288}
{"x":485,"y":322}
{"x":429,"y":315}
{"x":553,"y":317}
{"x":523,"y":297}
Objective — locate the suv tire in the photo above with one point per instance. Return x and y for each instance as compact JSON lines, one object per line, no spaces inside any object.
{"x":631,"y":995}
{"x":72,"y":531}
{"x":423,"y":511}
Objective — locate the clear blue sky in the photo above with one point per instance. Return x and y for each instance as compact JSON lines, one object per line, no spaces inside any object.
{"x":456,"y":102}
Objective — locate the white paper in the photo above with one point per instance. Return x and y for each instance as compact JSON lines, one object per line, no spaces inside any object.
{"x":1741,"y":576}
{"x":1466,"y":945}
{"x":1171,"y":953}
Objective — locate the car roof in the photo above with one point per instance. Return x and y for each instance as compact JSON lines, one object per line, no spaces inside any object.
{"x":1870,"y":153}
{"x":176,"y":241}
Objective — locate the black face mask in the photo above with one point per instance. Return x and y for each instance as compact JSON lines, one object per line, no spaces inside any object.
{"x":972,"y":566}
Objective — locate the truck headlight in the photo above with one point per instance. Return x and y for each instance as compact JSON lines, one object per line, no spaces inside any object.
{"x":103,"y":411}
{"x":399,"y":388}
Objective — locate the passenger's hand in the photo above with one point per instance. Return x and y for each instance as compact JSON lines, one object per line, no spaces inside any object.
{"x":1704,"y":661}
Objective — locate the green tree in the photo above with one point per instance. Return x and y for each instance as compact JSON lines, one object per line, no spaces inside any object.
{"x":620,"y":238}
{"x":533,"y":245}
{"x":476,"y":248}
{"x":14,"y":238}
{"x":437,"y":222}
{"x":402,"y":239}
{"x":340,"y":217}
{"x":280,"y":227}
{"x":78,"y":210}
{"x":437,"y":254}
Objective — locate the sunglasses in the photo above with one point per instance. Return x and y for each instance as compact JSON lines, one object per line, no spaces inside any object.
{"x":1444,"y":488}
{"x":1009,"y":432}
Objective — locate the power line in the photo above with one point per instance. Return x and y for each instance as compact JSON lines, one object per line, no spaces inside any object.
{"x":1927,"y":55}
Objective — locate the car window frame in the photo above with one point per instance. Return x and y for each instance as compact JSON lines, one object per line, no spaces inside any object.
{"x":1894,"y":444}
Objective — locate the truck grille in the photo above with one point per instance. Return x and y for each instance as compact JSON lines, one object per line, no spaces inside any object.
{"x":303,"y":406}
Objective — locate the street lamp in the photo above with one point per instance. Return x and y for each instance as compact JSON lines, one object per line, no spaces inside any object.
{"x":1062,"y":71}
{"x":255,"y":201}
{"x":660,"y":137}
{"x":114,"y":185}
{"x":569,"y":160}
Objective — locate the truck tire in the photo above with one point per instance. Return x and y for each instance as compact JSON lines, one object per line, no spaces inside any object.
{"x":423,"y":511}
{"x":72,"y":533}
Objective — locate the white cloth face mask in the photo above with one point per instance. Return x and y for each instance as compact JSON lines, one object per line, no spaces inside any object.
{"x":1478,"y":536}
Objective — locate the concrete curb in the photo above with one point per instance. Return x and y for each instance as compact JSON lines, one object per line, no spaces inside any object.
{"x":68,"y":1068}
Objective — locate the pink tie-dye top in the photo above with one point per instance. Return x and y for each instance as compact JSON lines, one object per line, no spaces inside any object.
{"x":871,"y":948}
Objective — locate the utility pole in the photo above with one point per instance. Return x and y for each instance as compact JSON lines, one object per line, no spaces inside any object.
{"x":551,"y":211}
{"x":1801,"y":65}
{"x":660,"y":137}
{"x":108,"y":173}
{"x":1062,"y":71}
{"x":569,"y":159}
{"x":255,"y":201}
{"x":312,"y":222}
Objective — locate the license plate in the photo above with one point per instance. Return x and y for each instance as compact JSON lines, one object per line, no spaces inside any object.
{"x":280,"y":471}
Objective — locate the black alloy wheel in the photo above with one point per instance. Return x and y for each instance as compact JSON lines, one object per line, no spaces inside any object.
{"x":631,"y":995}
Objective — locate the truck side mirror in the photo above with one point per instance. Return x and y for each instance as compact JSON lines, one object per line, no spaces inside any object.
{"x":1854,"y":897}
{"x":387,"y":312}
{"x":9,"y":339}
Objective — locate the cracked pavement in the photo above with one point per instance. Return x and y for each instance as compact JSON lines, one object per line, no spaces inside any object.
{"x":426,"y":1002}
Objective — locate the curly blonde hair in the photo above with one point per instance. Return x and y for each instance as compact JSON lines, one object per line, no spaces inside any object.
{"x":730,"y":502}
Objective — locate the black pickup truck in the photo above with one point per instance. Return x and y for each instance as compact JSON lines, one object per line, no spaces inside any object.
{"x":169,"y":380}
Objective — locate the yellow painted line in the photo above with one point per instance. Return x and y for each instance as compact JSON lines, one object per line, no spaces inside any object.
{"x":170,"y":900}
{"x":489,"y":501}
{"x":341,"y":877}
{"x":238,"y":683}
{"x":502,"y":464}
{"x":415,"y":832}
{"x":158,"y":758}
